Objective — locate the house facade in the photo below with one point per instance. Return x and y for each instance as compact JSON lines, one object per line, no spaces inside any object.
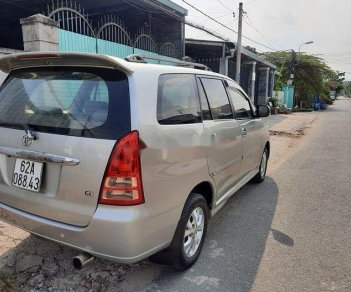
{"x":120,"y":28}
{"x":257,"y":76}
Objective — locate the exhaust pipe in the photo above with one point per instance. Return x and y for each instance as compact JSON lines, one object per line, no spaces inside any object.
{"x":82,"y":260}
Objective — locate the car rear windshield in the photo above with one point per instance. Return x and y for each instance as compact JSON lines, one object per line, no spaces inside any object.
{"x":75,"y":101}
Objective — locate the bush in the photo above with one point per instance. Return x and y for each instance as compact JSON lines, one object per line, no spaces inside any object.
{"x":274,"y":101}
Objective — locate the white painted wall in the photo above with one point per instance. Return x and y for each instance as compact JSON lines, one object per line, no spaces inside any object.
{"x":280,"y":96}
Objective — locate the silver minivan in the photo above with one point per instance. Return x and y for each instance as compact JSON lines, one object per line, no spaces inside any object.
{"x":123,"y":159}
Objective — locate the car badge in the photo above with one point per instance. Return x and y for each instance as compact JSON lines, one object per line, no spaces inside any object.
{"x":28,"y":138}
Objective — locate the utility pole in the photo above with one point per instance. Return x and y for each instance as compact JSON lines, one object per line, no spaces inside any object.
{"x":238,"y":44}
{"x":292,"y":67}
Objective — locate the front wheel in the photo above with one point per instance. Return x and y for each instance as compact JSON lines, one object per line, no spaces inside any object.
{"x":261,"y":175}
{"x":189,"y":236}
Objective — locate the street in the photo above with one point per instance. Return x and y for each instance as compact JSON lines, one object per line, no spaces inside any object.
{"x":290,"y":233}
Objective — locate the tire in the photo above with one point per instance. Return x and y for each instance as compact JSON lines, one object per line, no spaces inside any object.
{"x":261,"y":175}
{"x":185,"y":249}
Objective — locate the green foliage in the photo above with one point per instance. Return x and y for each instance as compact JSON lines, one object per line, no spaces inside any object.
{"x":275,"y":101}
{"x":336,"y":81}
{"x":325,"y":99}
{"x":279,"y":80}
{"x":311,"y":74}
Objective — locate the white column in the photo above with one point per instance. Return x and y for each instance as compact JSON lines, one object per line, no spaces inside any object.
{"x":252,"y":80}
{"x":223,"y":66}
{"x":40,"y":33}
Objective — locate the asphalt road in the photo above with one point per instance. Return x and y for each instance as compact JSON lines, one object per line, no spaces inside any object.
{"x":308,"y":247}
{"x":290,"y":233}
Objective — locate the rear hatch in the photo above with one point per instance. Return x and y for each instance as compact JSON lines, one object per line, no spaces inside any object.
{"x":58,"y":126}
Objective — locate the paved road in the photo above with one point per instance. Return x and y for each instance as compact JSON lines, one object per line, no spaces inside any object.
{"x":309,"y":246}
{"x":290,"y":233}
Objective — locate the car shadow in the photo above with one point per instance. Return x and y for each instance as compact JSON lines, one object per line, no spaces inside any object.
{"x":234,"y":245}
{"x":229,"y":260}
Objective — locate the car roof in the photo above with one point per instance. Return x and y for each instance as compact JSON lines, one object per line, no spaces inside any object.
{"x":44,"y":59}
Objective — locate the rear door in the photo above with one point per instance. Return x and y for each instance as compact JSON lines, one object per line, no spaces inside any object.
{"x":58,"y":127}
{"x":224,"y":151}
{"x":251,"y":129}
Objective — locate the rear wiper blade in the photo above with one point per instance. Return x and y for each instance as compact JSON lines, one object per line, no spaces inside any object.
{"x":25,"y":127}
{"x":31,"y":135}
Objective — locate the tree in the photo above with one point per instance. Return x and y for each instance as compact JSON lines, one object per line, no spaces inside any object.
{"x":336,"y":82}
{"x":311,"y":74}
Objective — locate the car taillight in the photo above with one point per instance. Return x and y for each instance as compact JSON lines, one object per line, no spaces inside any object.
{"x":122,"y":183}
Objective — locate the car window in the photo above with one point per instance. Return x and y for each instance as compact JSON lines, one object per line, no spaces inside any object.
{"x":241,"y":104}
{"x":205,"y":108}
{"x":70,"y":101}
{"x":100,"y":92}
{"x":178,"y":101}
{"x":217,"y":98}
{"x":62,"y":99}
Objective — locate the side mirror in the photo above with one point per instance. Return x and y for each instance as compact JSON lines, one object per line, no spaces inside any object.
{"x":263,"y":111}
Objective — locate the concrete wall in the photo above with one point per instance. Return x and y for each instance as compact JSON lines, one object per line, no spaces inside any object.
{"x":280,"y":96}
{"x":3,"y":52}
{"x":40,"y":33}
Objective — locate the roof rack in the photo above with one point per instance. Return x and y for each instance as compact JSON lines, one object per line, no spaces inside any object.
{"x":141,"y":59}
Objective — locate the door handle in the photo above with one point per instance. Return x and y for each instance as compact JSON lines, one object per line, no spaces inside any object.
{"x":243,"y":132}
{"x":38,"y":156}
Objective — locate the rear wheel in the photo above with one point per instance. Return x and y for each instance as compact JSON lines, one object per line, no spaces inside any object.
{"x":189,"y":236}
{"x":261,"y":175}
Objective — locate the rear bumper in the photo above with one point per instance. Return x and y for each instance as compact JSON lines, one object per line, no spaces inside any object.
{"x":121,"y":234}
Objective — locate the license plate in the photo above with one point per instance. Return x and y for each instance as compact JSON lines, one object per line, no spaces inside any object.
{"x":27,"y":175}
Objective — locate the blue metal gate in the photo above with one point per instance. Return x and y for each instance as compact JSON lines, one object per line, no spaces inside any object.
{"x":288,"y":96}
{"x":111,"y":37}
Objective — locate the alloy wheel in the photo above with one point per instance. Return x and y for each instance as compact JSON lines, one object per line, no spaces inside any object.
{"x":194,"y":232}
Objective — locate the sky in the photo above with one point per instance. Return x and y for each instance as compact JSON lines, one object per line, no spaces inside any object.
{"x":282,"y":25}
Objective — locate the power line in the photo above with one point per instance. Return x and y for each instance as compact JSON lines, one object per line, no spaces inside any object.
{"x":262,"y":38}
{"x":202,"y":22}
{"x":197,"y":26}
{"x":255,"y":28}
{"x":222,"y":15}
{"x":213,"y":33}
{"x":189,"y":23}
{"x":225,"y":6}
{"x":221,"y":24}
{"x":203,"y":13}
